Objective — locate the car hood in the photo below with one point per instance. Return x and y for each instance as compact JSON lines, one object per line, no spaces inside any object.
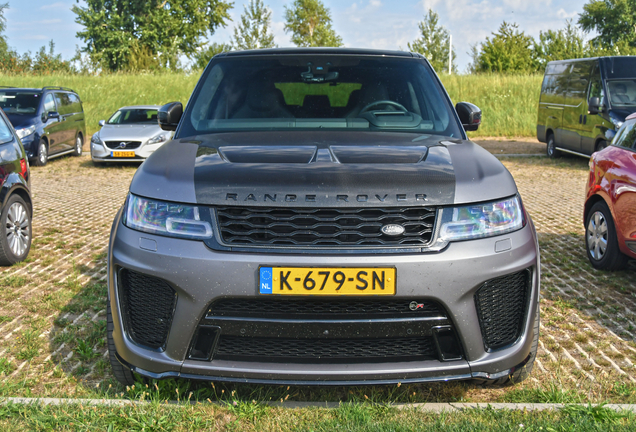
{"x":21,"y":121}
{"x":129,"y":132}
{"x":322,"y":169}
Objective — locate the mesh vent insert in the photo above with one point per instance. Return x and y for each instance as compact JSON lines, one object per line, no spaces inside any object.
{"x":148,"y":305}
{"x":501,"y":307}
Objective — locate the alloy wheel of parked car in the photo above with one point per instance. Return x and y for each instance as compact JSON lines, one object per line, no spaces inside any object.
{"x":79,"y":143}
{"x":15,"y":231}
{"x":551,"y":148}
{"x":43,"y":154}
{"x":601,"y":241}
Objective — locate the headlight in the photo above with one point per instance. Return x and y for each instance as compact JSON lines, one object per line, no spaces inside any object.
{"x":169,"y":219}
{"x":25,"y":132}
{"x":481,"y":220}
{"x":158,"y":139}
{"x":95,"y":139}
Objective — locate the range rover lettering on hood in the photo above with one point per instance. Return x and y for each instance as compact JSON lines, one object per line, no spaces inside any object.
{"x":317,"y":169}
{"x":311,"y":198}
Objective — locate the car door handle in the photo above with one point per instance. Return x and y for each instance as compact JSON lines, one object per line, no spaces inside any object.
{"x":581,"y":118}
{"x":584,"y":119}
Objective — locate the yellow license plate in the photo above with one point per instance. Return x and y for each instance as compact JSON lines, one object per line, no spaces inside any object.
{"x":123,"y":154}
{"x":327,"y":281}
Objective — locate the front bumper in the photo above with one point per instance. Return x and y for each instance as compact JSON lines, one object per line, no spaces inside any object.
{"x":101,"y":153}
{"x":200,"y":275}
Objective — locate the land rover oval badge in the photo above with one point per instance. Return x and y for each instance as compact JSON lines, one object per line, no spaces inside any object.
{"x":392,"y":229}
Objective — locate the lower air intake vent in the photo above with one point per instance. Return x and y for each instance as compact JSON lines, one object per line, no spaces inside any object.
{"x":501,"y":307}
{"x":148,"y":305}
{"x":325,"y":350}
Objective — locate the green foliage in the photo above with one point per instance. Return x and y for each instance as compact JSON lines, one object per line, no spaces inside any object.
{"x":309,"y":22}
{"x":509,"y":50}
{"x":561,"y":44}
{"x":3,"y":25}
{"x":433,"y":44}
{"x":254,"y":30}
{"x":202,"y":58}
{"x":115,"y":32}
{"x":615,"y":23}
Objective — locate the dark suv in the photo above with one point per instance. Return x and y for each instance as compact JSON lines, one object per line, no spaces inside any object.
{"x":320,"y":217}
{"x":15,"y":198}
{"x":49,"y":121}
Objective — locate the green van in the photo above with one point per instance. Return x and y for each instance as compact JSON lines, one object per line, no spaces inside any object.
{"x":584,"y":102}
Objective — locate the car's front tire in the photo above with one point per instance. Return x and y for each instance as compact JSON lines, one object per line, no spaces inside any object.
{"x":121,"y":373}
{"x":43,"y":153}
{"x":15,"y":231}
{"x":601,"y":240}
{"x":551,"y":150}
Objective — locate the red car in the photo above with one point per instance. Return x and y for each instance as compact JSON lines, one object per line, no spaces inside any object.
{"x":610,"y":205}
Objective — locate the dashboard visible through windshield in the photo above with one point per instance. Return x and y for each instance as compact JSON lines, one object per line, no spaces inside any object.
{"x":325,"y":92}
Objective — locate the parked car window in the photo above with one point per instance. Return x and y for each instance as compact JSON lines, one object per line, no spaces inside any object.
{"x":578,"y":82}
{"x":63,"y":103}
{"x":622,"y":92}
{"x":626,"y":136}
{"x":133,"y":116}
{"x":596,"y":86}
{"x":276,"y":93}
{"x":14,"y":102}
{"x":76,"y":104}
{"x":49,"y":104}
{"x":5,"y":132}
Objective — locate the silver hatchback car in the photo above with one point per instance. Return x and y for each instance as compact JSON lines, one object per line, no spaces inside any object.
{"x":130,"y":135}
{"x":322,"y":218}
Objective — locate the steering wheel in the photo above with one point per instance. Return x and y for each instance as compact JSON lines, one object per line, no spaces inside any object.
{"x":383,"y":102}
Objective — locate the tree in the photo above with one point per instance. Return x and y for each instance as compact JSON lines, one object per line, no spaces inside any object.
{"x":309,"y":22}
{"x":254,"y":30}
{"x":615,"y":23}
{"x":561,"y":44}
{"x":433,"y":44}
{"x":509,"y":50}
{"x":3,"y":25}
{"x":202,"y":58}
{"x":166,"y":29}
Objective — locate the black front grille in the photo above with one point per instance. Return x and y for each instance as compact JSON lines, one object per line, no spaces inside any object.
{"x":116,"y":145}
{"x":294,"y":227}
{"x":325,"y":350}
{"x":148,"y":305}
{"x":501,"y":307}
{"x":325,"y":308}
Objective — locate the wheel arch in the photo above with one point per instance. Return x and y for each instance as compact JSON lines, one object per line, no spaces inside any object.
{"x":590,"y":203}
{"x":12,"y":187}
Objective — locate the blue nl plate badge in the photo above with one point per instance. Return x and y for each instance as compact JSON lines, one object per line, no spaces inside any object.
{"x":266,"y":280}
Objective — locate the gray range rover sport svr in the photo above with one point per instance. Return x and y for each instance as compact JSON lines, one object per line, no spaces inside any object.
{"x":320,"y":217}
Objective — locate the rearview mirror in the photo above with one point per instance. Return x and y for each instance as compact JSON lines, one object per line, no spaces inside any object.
{"x":102,"y":122}
{"x":594,"y":106}
{"x":169,"y":116}
{"x":469,"y":115}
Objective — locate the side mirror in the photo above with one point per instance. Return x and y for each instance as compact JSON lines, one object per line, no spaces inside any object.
{"x":169,"y":116}
{"x":53,"y":115}
{"x":102,"y":123}
{"x":469,"y":115}
{"x":594,"y":106}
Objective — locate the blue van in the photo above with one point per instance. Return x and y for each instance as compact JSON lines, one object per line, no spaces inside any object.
{"x":49,"y":121}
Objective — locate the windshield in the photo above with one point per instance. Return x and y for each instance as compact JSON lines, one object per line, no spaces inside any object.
{"x":322,"y":91}
{"x":134,"y":116}
{"x":622,"y":93}
{"x":19,"y":102}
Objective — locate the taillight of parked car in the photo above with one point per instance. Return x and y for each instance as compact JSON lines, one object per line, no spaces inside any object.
{"x":24,"y":168}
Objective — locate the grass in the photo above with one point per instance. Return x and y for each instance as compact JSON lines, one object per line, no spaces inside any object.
{"x":509,"y":103}
{"x":155,"y":416}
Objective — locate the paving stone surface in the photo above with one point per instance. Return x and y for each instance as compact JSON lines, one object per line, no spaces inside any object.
{"x":52,"y":307}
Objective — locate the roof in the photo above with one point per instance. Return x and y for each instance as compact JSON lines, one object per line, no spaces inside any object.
{"x":320,"y":50}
